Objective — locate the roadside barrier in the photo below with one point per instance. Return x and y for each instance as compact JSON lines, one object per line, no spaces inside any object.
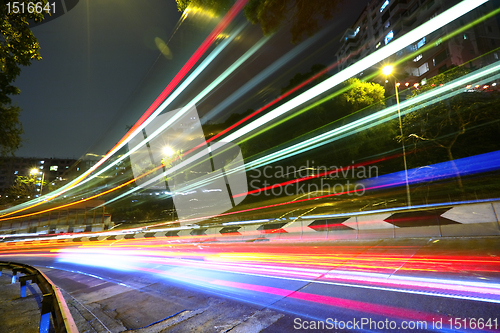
{"x":52,"y":303}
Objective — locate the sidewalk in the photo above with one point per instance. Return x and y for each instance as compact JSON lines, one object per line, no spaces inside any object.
{"x":18,"y":314}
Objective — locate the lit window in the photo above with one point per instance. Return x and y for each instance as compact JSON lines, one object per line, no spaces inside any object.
{"x":385,"y":4}
{"x":421,"y":43}
{"x":389,"y":37}
{"x":417,"y":58}
{"x":41,"y":167}
{"x":16,"y":172}
{"x":356,"y":31}
{"x":77,"y":169}
{"x":41,"y":162}
{"x":423,"y":69}
{"x":378,"y":45}
{"x":465,"y":36}
{"x":54,"y":167}
{"x":387,"y":25}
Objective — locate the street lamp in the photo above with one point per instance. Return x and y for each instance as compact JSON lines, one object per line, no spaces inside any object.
{"x":168,"y":151}
{"x":35,"y":171}
{"x":387,"y":70}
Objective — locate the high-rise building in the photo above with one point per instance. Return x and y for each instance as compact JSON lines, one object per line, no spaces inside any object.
{"x":383,"y":21}
{"x":50,"y":169}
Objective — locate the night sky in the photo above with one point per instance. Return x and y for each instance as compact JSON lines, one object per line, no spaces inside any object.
{"x":94,"y":57}
{"x":101,"y":69}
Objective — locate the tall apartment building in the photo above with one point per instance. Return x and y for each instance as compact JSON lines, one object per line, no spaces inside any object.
{"x":51,"y":168}
{"x":383,"y":21}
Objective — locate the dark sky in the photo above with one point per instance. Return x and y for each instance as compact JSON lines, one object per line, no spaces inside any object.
{"x":93,"y":58}
{"x":101,"y":69}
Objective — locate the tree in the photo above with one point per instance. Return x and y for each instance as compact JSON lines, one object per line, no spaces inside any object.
{"x":10,"y":129}
{"x":304,"y":16}
{"x":444,"y":122}
{"x":361,"y":95}
{"x":25,"y":187}
{"x":217,"y":6}
{"x":18,"y":47}
{"x":299,"y":78}
{"x":357,"y":96}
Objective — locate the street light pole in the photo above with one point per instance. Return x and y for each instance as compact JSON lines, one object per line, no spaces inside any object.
{"x":41,"y":184}
{"x":408,"y":197}
{"x":34,"y":172}
{"x":387,"y":70}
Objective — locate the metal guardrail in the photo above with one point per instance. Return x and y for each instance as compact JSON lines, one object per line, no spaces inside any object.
{"x":52,"y":303}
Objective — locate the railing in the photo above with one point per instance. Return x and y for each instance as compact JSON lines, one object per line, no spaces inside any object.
{"x":52,"y":302}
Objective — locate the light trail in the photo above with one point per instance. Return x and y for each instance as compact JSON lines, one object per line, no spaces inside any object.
{"x":185,"y":109}
{"x":369,"y":61}
{"x":363,"y":64}
{"x":141,"y":123}
{"x":430,"y":97}
{"x":438,"y":273}
{"x":322,"y":174}
{"x":234,"y":133}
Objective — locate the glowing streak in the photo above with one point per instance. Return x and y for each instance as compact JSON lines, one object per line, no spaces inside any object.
{"x":322,"y":174}
{"x":169,"y":100}
{"x":337,"y":302}
{"x":198,"y":70}
{"x":414,"y":35}
{"x":203,"y":153}
{"x":421,"y":101}
{"x":235,"y":9}
{"x":216,"y":82}
{"x":263,"y":75}
{"x":367,"y":62}
{"x":82,"y":200}
{"x":361,"y":65}
{"x":291,"y":91}
{"x":471,"y":164}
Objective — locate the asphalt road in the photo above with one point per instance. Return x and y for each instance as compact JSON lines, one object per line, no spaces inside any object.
{"x":373,"y":286}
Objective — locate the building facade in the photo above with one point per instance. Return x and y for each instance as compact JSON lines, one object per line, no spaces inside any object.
{"x":50,"y":169}
{"x":383,"y":21}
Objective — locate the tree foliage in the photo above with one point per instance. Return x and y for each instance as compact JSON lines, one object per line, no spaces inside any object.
{"x":24,"y":187}
{"x":217,"y":6}
{"x":18,"y":47}
{"x":10,"y":129}
{"x":361,"y":95}
{"x":299,"y":78}
{"x":442,"y":123}
{"x":303,"y":16}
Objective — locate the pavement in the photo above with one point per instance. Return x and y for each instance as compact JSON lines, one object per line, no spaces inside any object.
{"x":18,"y":314}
